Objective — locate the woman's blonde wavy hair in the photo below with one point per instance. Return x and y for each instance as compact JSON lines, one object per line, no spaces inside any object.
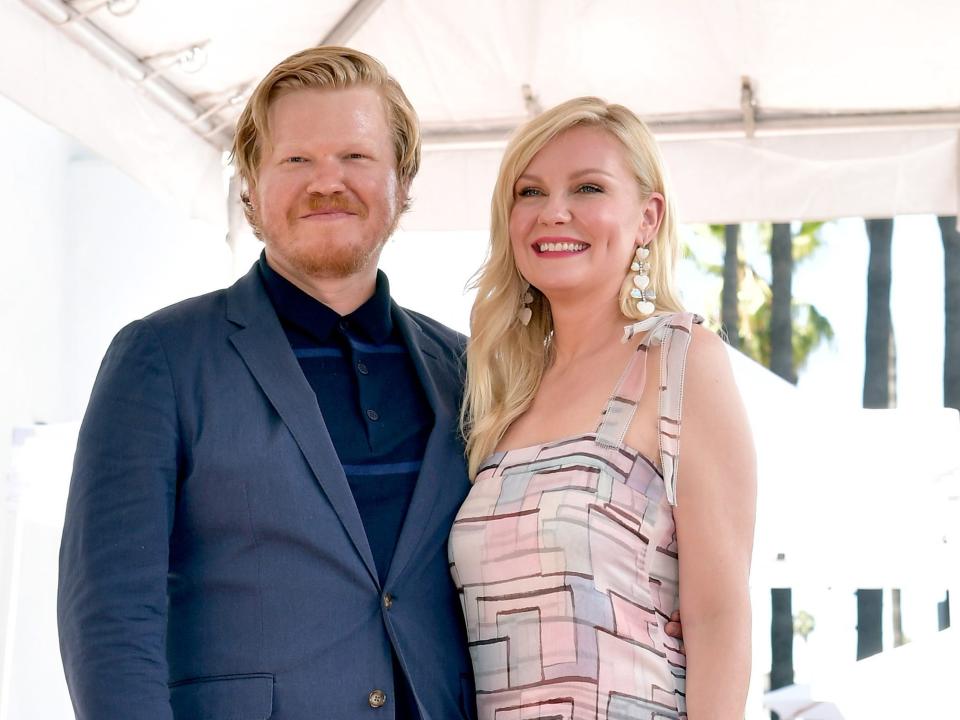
{"x":506,"y":360}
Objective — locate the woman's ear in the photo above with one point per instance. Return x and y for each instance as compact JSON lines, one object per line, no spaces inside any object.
{"x":651,"y":217}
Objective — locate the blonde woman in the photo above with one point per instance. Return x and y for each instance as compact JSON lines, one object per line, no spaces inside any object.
{"x":581,"y":534}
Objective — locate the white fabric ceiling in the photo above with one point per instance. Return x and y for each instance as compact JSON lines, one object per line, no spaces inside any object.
{"x":855,"y":104}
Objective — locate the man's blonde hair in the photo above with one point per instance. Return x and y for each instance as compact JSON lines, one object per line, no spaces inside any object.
{"x":324,"y":67}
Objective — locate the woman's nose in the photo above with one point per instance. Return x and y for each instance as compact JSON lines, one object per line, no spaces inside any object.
{"x":554,"y":211}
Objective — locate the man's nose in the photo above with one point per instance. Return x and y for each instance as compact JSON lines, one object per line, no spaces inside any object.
{"x":326,"y":177}
{"x":555,"y":210}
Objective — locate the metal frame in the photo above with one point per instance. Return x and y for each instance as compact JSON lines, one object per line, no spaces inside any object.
{"x":217,"y":131}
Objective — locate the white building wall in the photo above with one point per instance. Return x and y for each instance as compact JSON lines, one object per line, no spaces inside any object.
{"x":85,"y":250}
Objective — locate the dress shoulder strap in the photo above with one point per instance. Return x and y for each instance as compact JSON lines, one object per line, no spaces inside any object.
{"x":673,"y":332}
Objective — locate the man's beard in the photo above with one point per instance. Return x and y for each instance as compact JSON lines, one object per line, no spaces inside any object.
{"x":337,"y":260}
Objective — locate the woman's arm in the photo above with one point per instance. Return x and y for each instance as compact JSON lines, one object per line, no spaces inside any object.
{"x":716,"y":507}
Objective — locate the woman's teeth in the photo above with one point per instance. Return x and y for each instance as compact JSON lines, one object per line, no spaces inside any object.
{"x":562,"y":247}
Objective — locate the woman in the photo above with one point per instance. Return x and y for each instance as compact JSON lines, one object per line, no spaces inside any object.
{"x":577,"y":541}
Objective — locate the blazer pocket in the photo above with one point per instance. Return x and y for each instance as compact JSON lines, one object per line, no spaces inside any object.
{"x":223,"y":697}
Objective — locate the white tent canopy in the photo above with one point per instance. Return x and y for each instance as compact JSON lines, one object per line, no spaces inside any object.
{"x":766,"y":109}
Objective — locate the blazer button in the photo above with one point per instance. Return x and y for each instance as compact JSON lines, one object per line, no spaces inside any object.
{"x":377,"y":698}
{"x":388,"y":601}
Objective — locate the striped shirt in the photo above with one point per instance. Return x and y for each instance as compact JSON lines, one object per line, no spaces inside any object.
{"x":369,"y":395}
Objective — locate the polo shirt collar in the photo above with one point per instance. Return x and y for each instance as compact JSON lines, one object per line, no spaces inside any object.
{"x":372,"y":320}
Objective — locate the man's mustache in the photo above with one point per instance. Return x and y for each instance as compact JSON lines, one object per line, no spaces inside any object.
{"x":333,"y":203}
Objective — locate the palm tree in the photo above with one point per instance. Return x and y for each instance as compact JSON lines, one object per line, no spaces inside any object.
{"x":951,"y":311}
{"x":753,"y":294}
{"x":781,"y":306}
{"x":729,"y":306}
{"x":879,"y":391}
{"x":782,"y":363}
{"x":869,"y":622}
{"x":781,"y":639}
{"x":951,"y":340}
{"x":879,"y":377}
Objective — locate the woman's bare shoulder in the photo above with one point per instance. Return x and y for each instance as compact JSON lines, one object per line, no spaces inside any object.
{"x":716,"y":431}
{"x":708,"y":363}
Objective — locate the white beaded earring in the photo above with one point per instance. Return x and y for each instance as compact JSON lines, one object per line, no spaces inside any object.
{"x":525,"y":312}
{"x":641,"y":290}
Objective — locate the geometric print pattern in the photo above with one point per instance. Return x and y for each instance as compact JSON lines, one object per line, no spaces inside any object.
{"x":565,"y":558}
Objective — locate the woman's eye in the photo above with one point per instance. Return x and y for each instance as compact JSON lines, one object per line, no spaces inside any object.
{"x":296,"y":159}
{"x":528,"y":192}
{"x":589,"y":188}
{"x":356,"y":156}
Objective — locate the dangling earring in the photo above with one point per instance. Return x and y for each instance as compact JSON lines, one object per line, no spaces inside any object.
{"x":525,"y":312}
{"x":641,"y":290}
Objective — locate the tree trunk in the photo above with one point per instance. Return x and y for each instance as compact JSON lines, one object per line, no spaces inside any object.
{"x":730,"y":310}
{"x":781,"y":639}
{"x":781,"y":322}
{"x":878,"y":375}
{"x":951,"y":311}
{"x":869,"y":623}
{"x":878,"y":379}
{"x":895,"y":607}
{"x":943,"y":612}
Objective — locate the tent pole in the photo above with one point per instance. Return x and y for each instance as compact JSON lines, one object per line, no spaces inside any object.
{"x":351,"y":22}
{"x":112,"y":53}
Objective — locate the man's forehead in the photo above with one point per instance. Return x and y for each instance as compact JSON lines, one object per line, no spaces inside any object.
{"x":361,"y":108}
{"x":327,"y":119}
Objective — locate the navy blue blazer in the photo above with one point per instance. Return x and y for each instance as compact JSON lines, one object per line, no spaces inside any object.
{"x":213,"y":562}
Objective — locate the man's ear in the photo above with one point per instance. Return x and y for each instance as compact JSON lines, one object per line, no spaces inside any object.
{"x":403,"y":196}
{"x":250,"y":211}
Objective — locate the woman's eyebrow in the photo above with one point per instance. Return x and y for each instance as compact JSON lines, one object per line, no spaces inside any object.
{"x":579,"y":173}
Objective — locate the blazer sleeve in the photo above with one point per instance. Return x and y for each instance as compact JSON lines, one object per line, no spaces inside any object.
{"x":112,"y":595}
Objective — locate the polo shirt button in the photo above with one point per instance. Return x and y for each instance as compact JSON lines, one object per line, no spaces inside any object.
{"x":388,"y":601}
{"x":362,"y":369}
{"x":373,"y":415}
{"x":377,"y":698}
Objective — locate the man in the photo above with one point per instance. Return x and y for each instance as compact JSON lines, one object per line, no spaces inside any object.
{"x":266,"y":475}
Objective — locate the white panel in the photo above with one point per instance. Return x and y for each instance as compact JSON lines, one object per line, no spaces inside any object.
{"x":809,"y":177}
{"x":815,"y":177}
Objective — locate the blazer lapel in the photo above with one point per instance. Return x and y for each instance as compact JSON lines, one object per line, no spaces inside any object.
{"x":443,"y":460}
{"x":266,"y":351}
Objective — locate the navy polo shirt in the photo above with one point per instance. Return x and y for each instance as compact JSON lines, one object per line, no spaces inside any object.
{"x":370,"y":397}
{"x":372,"y":403}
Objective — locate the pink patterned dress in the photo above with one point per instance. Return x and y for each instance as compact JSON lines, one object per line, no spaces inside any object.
{"x":565,"y":558}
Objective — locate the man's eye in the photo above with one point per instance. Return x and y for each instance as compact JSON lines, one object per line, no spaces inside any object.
{"x":589,"y":188}
{"x":356,"y":156}
{"x":529,"y":192}
{"x":296,"y":159}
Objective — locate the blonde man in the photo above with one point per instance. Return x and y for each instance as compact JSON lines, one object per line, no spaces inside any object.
{"x":266,"y":475}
